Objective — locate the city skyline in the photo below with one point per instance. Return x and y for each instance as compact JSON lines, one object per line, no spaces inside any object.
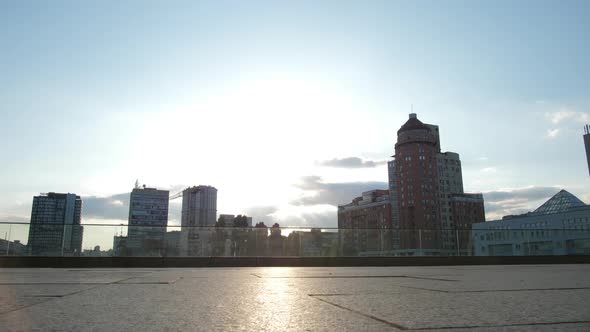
{"x":291,"y":121}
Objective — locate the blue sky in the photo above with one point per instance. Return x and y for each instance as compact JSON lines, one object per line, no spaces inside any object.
{"x":252,"y":96}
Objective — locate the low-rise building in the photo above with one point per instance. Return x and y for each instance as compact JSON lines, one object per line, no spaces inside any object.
{"x":561,"y":226}
{"x":12,"y":248}
{"x":365,"y":224}
{"x":466,"y":210}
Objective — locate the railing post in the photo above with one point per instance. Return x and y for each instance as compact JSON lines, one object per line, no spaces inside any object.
{"x":457,"y":242}
{"x":420,"y":240}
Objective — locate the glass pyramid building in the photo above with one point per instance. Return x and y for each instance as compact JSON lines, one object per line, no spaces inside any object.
{"x":560,"y":202}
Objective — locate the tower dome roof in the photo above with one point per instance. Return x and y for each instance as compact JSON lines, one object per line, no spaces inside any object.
{"x":412,"y":124}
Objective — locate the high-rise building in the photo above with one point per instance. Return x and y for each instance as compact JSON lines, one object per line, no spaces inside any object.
{"x":423,"y":182}
{"x":55,"y":225}
{"x":148,"y":218}
{"x":587,"y":144}
{"x":450,"y":181}
{"x":365,"y":224}
{"x":416,"y":174}
{"x":199,"y":211}
{"x":393,"y":198}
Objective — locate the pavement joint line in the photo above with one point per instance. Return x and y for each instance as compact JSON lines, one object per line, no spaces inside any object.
{"x":500,"y":325}
{"x":352,"y":277}
{"x":498,"y":290}
{"x":391,"y":324}
{"x":49,"y":298}
{"x":121,"y":281}
{"x":109,"y":271}
{"x":405,"y":328}
{"x":54,"y":283}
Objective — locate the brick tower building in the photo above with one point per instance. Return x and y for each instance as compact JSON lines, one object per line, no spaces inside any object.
{"x":417,"y":184}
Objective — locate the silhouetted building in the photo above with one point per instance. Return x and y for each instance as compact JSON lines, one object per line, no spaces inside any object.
{"x":422,"y":183}
{"x":148,"y":218}
{"x":226,"y":220}
{"x":312,"y":243}
{"x":120,"y":245}
{"x":587,"y":145}
{"x":466,"y":210}
{"x":96,"y":252}
{"x":393,"y":199}
{"x":173,"y":243}
{"x":365,"y":223}
{"x":12,"y":248}
{"x":199,"y":211}
{"x":561,"y":226}
{"x":55,"y":225}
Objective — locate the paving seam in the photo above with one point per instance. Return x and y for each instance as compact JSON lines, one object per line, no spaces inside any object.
{"x":53,"y":283}
{"x":486,"y":326}
{"x":151,"y":282}
{"x":499,"y":290}
{"x":391,"y":324}
{"x":405,"y":328}
{"x":353,"y":277}
{"x":50,"y":298}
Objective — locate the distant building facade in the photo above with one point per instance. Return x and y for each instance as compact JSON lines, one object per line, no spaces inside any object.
{"x":173,"y":244}
{"x":466,"y":210}
{"x":561,"y":226}
{"x":199,"y":211}
{"x":148,"y":219}
{"x":12,"y":248}
{"x":312,"y":243}
{"x":422,"y":183}
{"x":227,"y":219}
{"x":55,"y":228}
{"x":364,"y":224}
{"x":120,"y":245}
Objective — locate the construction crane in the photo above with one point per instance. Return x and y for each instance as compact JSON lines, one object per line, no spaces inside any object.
{"x":193,"y":189}
{"x":175,"y":196}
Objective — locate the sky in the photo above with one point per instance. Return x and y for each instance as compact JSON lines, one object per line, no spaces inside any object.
{"x":288,"y":108}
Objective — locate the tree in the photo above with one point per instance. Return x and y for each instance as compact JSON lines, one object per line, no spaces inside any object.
{"x":276,"y":240}
{"x":258,"y":240}
{"x":219,"y":238}
{"x":240,"y":235}
{"x":241,"y":221}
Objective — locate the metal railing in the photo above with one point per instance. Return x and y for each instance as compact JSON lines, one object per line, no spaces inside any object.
{"x":24,"y":239}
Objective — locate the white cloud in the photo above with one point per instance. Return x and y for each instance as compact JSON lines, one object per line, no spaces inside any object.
{"x":351,"y":162}
{"x":504,"y":202}
{"x":566,"y":115}
{"x":552,"y":133}
{"x":489,"y":170}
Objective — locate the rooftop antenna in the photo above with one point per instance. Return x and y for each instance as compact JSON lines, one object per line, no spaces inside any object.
{"x":137,"y":184}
